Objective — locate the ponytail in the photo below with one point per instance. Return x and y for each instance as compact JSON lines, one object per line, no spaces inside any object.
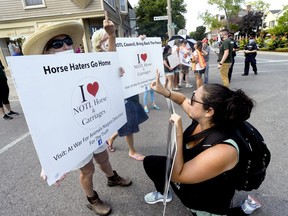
{"x":230,"y":107}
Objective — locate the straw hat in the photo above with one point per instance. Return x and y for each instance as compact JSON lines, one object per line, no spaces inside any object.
{"x":34,"y":45}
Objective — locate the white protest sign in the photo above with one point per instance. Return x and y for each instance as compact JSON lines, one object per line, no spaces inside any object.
{"x":140,"y":60}
{"x":72,"y":103}
{"x":185,"y":57}
{"x":173,"y":59}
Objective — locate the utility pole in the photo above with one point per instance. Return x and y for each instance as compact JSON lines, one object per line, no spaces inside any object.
{"x":169,"y":25}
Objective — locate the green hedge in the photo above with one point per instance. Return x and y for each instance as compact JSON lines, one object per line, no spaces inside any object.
{"x":285,"y":49}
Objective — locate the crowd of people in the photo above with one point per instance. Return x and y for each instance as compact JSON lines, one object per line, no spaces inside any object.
{"x":199,"y":175}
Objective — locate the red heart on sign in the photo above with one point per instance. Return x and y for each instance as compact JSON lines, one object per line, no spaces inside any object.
{"x":144,"y":56}
{"x":93,"y":88}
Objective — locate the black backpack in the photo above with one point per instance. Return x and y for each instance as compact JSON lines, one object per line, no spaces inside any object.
{"x":254,"y":155}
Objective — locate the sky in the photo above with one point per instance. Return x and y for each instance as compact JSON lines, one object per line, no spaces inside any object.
{"x":193,"y":11}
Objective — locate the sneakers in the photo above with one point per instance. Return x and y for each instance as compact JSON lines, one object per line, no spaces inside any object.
{"x":98,"y":206}
{"x":176,"y":89}
{"x":156,"y":107}
{"x":188,"y":85}
{"x":13,"y":113}
{"x":154,"y":197}
{"x":7,"y":117}
{"x":146,"y":109}
{"x":117,"y":180}
{"x":250,"y":204}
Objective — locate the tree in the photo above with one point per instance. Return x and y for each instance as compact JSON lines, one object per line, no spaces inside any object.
{"x":210,"y":20}
{"x":231,"y":8}
{"x":259,"y":5}
{"x":251,"y":23}
{"x":262,"y":6}
{"x":199,"y":34}
{"x":146,"y":10}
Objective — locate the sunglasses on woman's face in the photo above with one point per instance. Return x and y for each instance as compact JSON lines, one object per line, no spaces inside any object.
{"x":193,"y":99}
{"x":58,"y":43}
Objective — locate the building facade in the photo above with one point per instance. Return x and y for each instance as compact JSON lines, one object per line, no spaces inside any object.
{"x":271,"y":18}
{"x":19,"y":19}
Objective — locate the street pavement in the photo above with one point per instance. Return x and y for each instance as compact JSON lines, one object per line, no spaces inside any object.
{"x":24,"y":193}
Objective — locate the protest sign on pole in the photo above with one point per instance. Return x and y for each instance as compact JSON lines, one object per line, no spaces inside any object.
{"x":171,"y":151}
{"x":140,"y":60}
{"x":69,"y":105}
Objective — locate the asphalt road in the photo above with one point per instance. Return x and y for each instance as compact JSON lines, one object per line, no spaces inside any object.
{"x":24,"y":193}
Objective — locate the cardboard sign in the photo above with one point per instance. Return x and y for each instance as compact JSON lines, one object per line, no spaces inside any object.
{"x":140,"y":59}
{"x":72,"y":103}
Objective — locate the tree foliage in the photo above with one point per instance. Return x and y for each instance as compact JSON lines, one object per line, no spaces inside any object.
{"x":210,"y":20}
{"x":251,"y":23}
{"x":199,"y":34}
{"x":231,"y":8}
{"x":259,"y":5}
{"x":146,"y":10}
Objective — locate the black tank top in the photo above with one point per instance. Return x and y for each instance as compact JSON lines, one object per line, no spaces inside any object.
{"x":214,"y":195}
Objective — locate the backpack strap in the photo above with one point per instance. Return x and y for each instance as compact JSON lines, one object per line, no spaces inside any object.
{"x":234,"y":144}
{"x":210,"y":136}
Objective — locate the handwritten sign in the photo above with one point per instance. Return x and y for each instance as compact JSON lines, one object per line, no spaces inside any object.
{"x":173,"y":59}
{"x":69,"y":104}
{"x":140,"y":60}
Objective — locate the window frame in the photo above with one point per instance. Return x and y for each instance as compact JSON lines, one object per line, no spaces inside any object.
{"x":112,"y":6}
{"x":125,"y":11}
{"x":33,"y":6}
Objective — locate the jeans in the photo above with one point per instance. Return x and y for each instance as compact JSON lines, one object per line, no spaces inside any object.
{"x":206,"y":74}
{"x":145,"y":96}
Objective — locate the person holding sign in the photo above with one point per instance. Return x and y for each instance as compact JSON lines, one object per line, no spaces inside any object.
{"x":185,"y":58}
{"x":63,"y":38}
{"x":169,"y":71}
{"x":134,"y":110}
{"x":201,"y":175}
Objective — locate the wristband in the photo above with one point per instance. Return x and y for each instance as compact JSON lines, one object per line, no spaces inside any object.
{"x":169,"y":94}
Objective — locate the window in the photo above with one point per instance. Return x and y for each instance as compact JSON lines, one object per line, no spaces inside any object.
{"x":271,"y":24}
{"x":33,"y":3}
{"x":111,"y":3}
{"x":123,"y":7}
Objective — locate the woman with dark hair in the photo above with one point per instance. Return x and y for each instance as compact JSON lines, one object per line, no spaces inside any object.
{"x":169,"y":72}
{"x":202,"y":175}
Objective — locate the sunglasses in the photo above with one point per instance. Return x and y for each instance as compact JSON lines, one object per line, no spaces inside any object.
{"x":193,"y":99}
{"x":58,"y":43}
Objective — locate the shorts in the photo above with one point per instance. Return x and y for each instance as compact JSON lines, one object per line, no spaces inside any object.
{"x":100,"y":149}
{"x":184,"y":69}
{"x":169,"y":73}
{"x":176,"y":69}
{"x":200,"y":72}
